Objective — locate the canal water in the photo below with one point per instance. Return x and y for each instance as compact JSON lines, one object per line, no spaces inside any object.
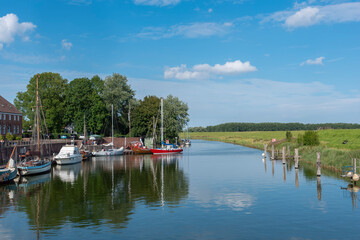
{"x":211,"y":191}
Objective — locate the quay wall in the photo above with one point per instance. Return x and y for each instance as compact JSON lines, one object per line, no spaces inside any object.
{"x":48,"y":148}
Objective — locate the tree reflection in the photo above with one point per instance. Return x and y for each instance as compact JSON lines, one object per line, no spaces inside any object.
{"x":103,"y":190}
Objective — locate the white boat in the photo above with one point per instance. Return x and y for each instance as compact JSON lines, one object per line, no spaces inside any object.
{"x":8,"y":173}
{"x":69,"y":154}
{"x":112,"y":151}
{"x":34,"y":167}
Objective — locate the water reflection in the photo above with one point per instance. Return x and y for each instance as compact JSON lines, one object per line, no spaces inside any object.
{"x":100,"y":190}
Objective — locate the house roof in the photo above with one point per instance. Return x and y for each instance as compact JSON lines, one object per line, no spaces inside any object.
{"x":7,"y":107}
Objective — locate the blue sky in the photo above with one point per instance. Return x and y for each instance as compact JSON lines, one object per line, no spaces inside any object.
{"x":229,"y":60}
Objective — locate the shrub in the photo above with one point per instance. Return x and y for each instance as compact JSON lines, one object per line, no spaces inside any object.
{"x":2,"y":138}
{"x":18,"y":138}
{"x":311,"y":138}
{"x":288,"y":136}
{"x":9,"y":136}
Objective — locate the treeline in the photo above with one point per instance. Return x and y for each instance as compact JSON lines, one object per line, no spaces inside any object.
{"x":246,"y":127}
{"x":67,"y":104}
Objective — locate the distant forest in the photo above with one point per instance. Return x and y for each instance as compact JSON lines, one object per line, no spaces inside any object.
{"x":246,"y":127}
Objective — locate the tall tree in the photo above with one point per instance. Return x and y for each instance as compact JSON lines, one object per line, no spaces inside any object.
{"x":83,"y":99}
{"x":175,"y":117}
{"x":118,"y":92}
{"x":52,"y":93}
{"x":142,"y":117}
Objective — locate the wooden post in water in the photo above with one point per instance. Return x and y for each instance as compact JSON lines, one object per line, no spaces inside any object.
{"x":272,"y":152}
{"x":354,"y":165}
{"x":318,"y":187}
{"x":283,"y":155}
{"x":318,"y":164}
{"x":296,"y":158}
{"x":297,"y":178}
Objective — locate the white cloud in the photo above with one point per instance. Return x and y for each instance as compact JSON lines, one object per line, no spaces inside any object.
{"x":193,"y":30}
{"x":210,"y":10}
{"x":159,"y":3}
{"x":202,"y":71}
{"x":10,"y":28}
{"x":316,"y":61}
{"x":303,"y":15}
{"x":66,"y":45}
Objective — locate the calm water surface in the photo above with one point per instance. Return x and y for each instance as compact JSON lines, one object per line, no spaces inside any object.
{"x":211,"y":191}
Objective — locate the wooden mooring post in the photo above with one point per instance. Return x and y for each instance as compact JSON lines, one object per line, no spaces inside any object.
{"x":272,"y":151}
{"x":288,"y":150}
{"x":283,"y":156}
{"x":318,"y":164}
{"x":296,"y":158}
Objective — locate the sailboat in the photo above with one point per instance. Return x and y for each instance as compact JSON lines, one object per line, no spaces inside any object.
{"x":8,"y":173}
{"x":112,"y":151}
{"x":84,"y":152}
{"x":166,"y":148}
{"x":35,"y":164}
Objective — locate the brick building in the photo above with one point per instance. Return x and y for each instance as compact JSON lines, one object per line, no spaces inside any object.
{"x":10,"y":118}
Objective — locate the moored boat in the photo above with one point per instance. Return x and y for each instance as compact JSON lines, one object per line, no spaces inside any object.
{"x":166,"y":150}
{"x":9,"y":172}
{"x":69,"y":154}
{"x":33,"y":167}
{"x":139,"y":148}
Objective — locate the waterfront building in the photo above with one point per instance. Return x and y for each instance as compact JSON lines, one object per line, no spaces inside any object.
{"x":10,"y":118}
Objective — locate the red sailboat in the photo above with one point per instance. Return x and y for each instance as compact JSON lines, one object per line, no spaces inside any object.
{"x":165,"y":148}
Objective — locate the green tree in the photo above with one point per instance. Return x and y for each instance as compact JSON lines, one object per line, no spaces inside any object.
{"x":118,"y":92}
{"x":52,"y":93}
{"x":288,"y":136}
{"x":142,"y":117}
{"x":83,"y":99}
{"x":175,"y":117}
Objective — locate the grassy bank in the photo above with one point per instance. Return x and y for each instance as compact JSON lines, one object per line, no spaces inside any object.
{"x":334,"y":153}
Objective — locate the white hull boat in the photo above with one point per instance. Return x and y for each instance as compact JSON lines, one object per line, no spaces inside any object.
{"x":69,"y":154}
{"x":110,"y":152}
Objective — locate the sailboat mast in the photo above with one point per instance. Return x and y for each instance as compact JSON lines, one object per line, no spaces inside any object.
{"x":112,"y":124}
{"x":85,"y":132}
{"x":37,"y":114}
{"x":162,"y":122}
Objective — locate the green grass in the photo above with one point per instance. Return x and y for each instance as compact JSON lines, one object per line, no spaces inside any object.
{"x":334,"y":154}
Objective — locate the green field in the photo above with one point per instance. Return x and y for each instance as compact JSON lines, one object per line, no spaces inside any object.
{"x":334,"y":154}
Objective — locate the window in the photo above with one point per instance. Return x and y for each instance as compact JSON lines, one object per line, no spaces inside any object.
{"x":18,"y":118}
{"x":9,"y":129}
{"x":4,"y":128}
{"x":4,"y":116}
{"x":0,"y":118}
{"x":14,"y":129}
{"x":18,"y":129}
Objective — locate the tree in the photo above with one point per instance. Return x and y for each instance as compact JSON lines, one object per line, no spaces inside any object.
{"x":175,"y":117}
{"x":118,"y":93}
{"x":52,"y":93}
{"x":142,"y":117}
{"x":82,"y":99}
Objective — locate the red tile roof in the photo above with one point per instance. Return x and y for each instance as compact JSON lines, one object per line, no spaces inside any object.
{"x":7,"y":107}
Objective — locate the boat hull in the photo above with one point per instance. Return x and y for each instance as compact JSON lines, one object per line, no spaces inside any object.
{"x":69,"y":160}
{"x":32,"y":170}
{"x":141,"y":151}
{"x":111,"y":152}
{"x":165,"y":151}
{"x":7,"y":174}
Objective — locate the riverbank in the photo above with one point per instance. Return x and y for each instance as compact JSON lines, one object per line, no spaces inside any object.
{"x":337,"y":147}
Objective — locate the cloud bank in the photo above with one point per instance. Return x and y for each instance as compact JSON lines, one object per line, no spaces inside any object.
{"x":312,"y":15}
{"x":10,"y":27}
{"x":202,"y":71}
{"x":66,"y":45}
